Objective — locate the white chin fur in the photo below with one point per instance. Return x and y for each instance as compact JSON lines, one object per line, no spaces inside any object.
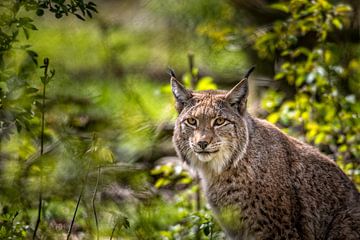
{"x":205,"y":157}
{"x":213,"y":162}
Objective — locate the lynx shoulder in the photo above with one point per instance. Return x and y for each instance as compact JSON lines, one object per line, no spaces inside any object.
{"x":261,"y":183}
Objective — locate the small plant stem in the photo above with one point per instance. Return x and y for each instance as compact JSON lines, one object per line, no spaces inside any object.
{"x":38,"y":220}
{"x":78,"y":201}
{"x":191,"y":68}
{"x":93,"y":203}
{"x":75,"y":212}
{"x":43,"y":116}
{"x":113,"y":230}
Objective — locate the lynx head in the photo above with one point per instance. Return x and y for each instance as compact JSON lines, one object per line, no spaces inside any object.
{"x":211,"y":131}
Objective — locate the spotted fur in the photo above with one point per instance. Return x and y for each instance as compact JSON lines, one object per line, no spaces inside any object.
{"x":261,"y":183}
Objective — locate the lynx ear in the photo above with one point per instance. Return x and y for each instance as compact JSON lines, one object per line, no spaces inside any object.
{"x":181,"y":94}
{"x":237,"y":96}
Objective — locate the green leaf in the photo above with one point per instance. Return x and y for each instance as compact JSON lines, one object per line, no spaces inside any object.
{"x":126,"y":223}
{"x":337,"y":23}
{"x":319,"y":138}
{"x":18,"y":125}
{"x":187,"y":80}
{"x":31,"y":90}
{"x":328,"y":56}
{"x":33,"y":55}
{"x":89,"y":13}
{"x":156,"y":171}
{"x":343,"y":148}
{"x":206,"y":229}
{"x":206,"y":83}
{"x":186,"y":180}
{"x":26,"y":33}
{"x":162,"y":182}
{"x":79,"y":17}
{"x":30,"y":26}
{"x":343,"y":9}
{"x":105,"y":154}
{"x":279,"y":75}
{"x":280,"y":6}
{"x":273,"y":117}
{"x":299,"y":80}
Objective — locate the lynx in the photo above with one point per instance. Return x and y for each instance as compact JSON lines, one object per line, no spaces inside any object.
{"x":260,"y":182}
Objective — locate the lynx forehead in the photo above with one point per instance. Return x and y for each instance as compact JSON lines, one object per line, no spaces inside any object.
{"x":259,"y":182}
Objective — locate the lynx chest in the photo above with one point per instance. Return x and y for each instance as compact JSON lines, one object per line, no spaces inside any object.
{"x":228,"y":198}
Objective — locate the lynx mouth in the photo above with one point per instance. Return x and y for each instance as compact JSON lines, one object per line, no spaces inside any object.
{"x":206,"y":152}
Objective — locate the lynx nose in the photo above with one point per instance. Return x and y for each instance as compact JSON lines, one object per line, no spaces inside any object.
{"x":203,"y":144}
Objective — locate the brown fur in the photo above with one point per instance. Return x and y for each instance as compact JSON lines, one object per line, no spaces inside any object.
{"x":261,"y":183}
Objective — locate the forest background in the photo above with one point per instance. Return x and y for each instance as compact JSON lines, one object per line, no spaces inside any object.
{"x":86,"y":112}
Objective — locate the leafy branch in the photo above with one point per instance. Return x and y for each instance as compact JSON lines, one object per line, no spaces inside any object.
{"x":63,"y":7}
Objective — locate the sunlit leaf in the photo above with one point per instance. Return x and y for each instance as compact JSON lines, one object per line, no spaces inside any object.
{"x":206,"y":83}
{"x":273,"y":117}
{"x":319,"y":138}
{"x":343,"y":9}
{"x":337,"y":23}
{"x":280,"y":6}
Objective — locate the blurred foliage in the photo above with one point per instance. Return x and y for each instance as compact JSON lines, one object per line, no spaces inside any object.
{"x":325,"y":107}
{"x":210,"y":18}
{"x":170,"y":174}
{"x":109,"y":114}
{"x":192,"y":223}
{"x":16,"y":92}
{"x":10,"y":228}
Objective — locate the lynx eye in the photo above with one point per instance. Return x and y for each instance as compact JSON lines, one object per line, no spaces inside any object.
{"x":219,"y":121}
{"x":191,"y":121}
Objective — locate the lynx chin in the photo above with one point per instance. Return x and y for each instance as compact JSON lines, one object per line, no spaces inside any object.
{"x":259,"y":182}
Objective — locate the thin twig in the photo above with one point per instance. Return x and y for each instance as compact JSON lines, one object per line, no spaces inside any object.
{"x":191,"y":68}
{"x":13,"y":219}
{"x":112,"y":232}
{"x":74,"y":216}
{"x":78,"y":201}
{"x":38,"y":219}
{"x":93,"y":203}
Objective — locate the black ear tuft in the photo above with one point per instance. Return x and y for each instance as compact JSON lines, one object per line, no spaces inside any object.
{"x":247,"y":75}
{"x":237,"y":96}
{"x":171,"y":72}
{"x":238,"y":93}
